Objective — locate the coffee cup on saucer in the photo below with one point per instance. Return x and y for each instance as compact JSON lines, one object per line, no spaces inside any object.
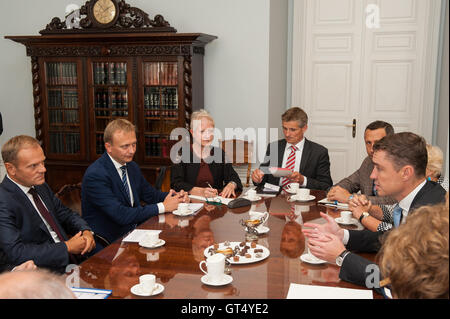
{"x":302,"y":193}
{"x":183,"y":208}
{"x":251,"y":194}
{"x":151,"y":238}
{"x":215,"y":265}
{"x":147,"y":283}
{"x":346,"y":216}
{"x":258,"y":216}
{"x":312,"y":257}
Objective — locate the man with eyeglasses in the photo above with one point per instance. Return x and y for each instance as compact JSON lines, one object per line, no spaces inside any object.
{"x":113,"y":187}
{"x":308,"y":161}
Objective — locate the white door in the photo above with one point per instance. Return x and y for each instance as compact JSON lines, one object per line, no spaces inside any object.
{"x":344,"y":68}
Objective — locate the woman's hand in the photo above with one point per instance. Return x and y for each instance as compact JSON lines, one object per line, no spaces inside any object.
{"x":229,"y":190}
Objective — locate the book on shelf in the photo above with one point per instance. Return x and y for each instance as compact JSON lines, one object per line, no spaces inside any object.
{"x":62,"y":73}
{"x":114,"y":73}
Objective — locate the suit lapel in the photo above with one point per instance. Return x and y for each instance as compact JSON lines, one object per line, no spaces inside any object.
{"x":282,"y":147}
{"x":305,"y":155}
{"x":111,"y":169}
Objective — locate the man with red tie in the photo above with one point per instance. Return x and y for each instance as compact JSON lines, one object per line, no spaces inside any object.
{"x":34,"y":225}
{"x":308,"y":161}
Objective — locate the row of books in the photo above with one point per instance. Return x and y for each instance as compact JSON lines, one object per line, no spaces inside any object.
{"x":160,"y":73}
{"x":61,"y":73}
{"x":111,"y":103}
{"x":156,"y":98}
{"x":114,"y":73}
{"x":157,"y":146}
{"x":70,"y":99}
{"x":158,"y":126}
{"x":99,"y":144}
{"x":159,"y":114}
{"x":65,"y":143}
{"x":63,"y":116}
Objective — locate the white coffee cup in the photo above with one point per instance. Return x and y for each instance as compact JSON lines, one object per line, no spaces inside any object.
{"x":183,"y":208}
{"x":313,"y":258}
{"x":151,"y":237}
{"x":215,"y":265}
{"x":294,"y":187}
{"x":147,"y":283}
{"x":251,"y":194}
{"x":346,"y":216}
{"x":303,"y":193}
{"x":258,"y":215}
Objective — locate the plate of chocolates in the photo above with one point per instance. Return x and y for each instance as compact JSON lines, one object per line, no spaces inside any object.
{"x":239,"y":252}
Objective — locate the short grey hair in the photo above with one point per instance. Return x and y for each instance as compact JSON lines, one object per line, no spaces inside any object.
{"x":198,"y":115}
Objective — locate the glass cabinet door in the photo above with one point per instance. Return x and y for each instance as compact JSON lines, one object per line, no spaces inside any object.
{"x":160,"y":106}
{"x":63,"y":111}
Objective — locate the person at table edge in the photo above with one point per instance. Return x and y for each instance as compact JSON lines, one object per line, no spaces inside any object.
{"x":204,"y":165}
{"x":312,"y":163}
{"x":400,"y":162}
{"x":114,"y":186}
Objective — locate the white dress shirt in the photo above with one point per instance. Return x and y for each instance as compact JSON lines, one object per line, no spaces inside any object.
{"x":117,"y":165}
{"x":298,"y":158}
{"x":25,"y":189}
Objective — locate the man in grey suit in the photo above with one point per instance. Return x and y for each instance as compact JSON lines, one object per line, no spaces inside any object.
{"x":360,"y":180}
{"x":400,"y":162}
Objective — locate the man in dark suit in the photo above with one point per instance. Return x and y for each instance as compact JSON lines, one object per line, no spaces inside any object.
{"x":308,"y":161}
{"x":113,"y":187}
{"x":400,"y":162}
{"x":34,"y":225}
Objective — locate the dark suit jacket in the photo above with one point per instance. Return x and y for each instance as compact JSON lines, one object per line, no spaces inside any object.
{"x":184,"y":175}
{"x":315,"y":164}
{"x":361,"y":181}
{"x":353,"y":268}
{"x":23,"y":234}
{"x":105,"y":204}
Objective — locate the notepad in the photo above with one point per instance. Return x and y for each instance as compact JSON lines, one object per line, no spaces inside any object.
{"x":138,"y":235}
{"x":327,"y":202}
{"x":220,"y":199}
{"x":91,"y":293}
{"x":297,"y":291}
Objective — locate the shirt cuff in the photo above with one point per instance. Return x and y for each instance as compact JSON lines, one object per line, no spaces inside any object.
{"x":346,"y":237}
{"x":161,"y":208}
{"x":305,"y":181}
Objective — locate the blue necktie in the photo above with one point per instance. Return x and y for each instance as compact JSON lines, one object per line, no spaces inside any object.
{"x":124,"y":182}
{"x":397,"y":215}
{"x":374,"y":189}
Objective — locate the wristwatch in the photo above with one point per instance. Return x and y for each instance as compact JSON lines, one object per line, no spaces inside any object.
{"x":340,"y":258}
{"x":363,"y":215}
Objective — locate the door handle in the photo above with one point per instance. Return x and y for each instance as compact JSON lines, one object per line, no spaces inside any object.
{"x":352,"y":126}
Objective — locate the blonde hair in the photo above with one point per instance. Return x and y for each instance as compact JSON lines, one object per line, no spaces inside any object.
{"x":117,"y":125}
{"x":12,"y":147}
{"x":435,"y":160}
{"x":415,"y":256}
{"x":198,"y":115}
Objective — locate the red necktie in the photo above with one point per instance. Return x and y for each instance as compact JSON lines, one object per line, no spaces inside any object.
{"x":290,"y":164}
{"x":291,"y":214}
{"x":45,"y":214}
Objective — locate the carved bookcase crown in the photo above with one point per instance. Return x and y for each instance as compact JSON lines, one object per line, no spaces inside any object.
{"x":130,"y":19}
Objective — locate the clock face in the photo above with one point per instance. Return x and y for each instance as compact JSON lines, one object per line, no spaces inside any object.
{"x":104,"y":11}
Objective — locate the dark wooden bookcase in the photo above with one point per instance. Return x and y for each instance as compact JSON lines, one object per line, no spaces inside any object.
{"x":134,"y":68}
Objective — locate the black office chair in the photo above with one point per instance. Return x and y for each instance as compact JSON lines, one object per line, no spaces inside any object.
{"x":160,"y":178}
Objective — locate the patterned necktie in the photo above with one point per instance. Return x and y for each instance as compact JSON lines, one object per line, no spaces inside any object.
{"x":45,"y":213}
{"x":291,"y":215}
{"x":125,"y":183}
{"x":290,"y":164}
{"x":397,"y":215}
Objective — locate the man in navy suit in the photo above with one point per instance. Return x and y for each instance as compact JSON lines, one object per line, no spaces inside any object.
{"x":400,"y":162}
{"x":34,"y":225}
{"x":310,"y":161}
{"x":113,"y":187}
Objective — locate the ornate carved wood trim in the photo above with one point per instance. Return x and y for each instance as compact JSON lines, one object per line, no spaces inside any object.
{"x":130,"y":19}
{"x":37,"y":98}
{"x":113,"y":50}
{"x":187,"y":78}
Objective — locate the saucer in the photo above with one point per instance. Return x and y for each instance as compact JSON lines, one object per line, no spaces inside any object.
{"x":308,"y":259}
{"x":255,"y":199}
{"x":189,"y":212}
{"x":293,"y":199}
{"x":353,"y":221}
{"x":261,"y":229}
{"x":159,"y":243}
{"x":136,"y":290}
{"x":288,"y":189}
{"x":225,"y":281}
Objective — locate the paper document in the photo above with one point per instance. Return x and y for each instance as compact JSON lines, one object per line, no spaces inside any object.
{"x":138,"y":235}
{"x":297,"y":291}
{"x":91,"y":293}
{"x":327,"y":202}
{"x":221,"y":199}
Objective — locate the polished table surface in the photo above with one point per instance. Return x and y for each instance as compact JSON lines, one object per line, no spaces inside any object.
{"x":176,"y":264}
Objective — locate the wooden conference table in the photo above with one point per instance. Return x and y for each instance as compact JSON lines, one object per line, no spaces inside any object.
{"x":176,"y":264}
